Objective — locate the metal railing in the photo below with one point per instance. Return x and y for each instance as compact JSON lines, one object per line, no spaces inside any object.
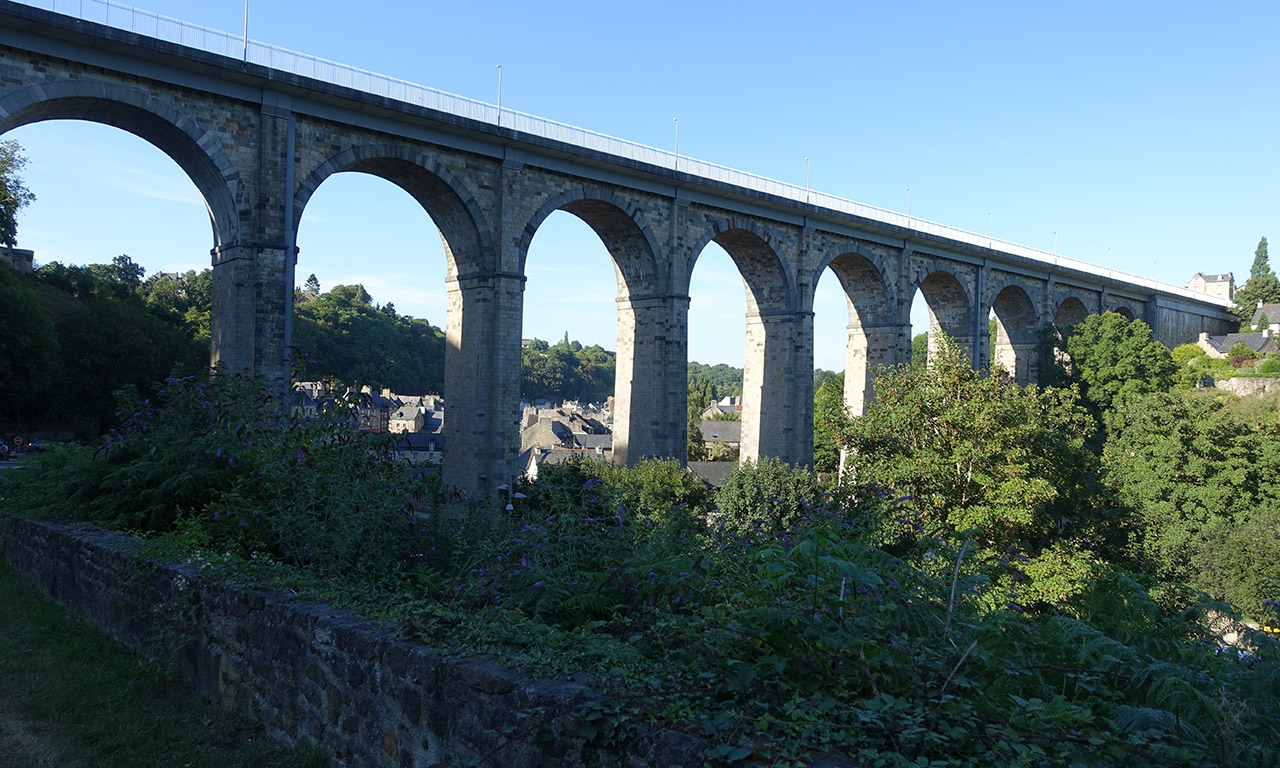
{"x":214,"y":41}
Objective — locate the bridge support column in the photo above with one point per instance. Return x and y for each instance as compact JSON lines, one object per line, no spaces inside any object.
{"x":247,"y":321}
{"x":777,"y":387}
{"x":1022,"y":361}
{"x":649,"y":416}
{"x":482,"y":380}
{"x":868,"y":348}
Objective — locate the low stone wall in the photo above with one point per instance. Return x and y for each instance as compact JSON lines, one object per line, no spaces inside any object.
{"x":312,"y":673}
{"x":1247,"y":386}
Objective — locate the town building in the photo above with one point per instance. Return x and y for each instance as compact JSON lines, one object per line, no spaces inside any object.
{"x":1223,"y":285}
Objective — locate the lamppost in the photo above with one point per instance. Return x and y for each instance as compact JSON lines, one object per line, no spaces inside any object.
{"x":990,"y":229}
{"x":246,"y":31}
{"x":677,"y":142}
{"x":808,"y":179}
{"x":908,"y":202}
{"x":499,"y":95}
{"x":1055,"y":242}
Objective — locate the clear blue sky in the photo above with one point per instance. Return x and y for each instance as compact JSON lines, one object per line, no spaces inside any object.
{"x":1147,"y":128}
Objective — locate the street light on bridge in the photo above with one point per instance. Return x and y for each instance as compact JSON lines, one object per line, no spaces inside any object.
{"x":677,"y":142}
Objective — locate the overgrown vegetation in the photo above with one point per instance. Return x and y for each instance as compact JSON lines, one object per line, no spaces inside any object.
{"x":777,"y":619}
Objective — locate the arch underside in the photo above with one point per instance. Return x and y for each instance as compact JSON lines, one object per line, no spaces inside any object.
{"x":178,"y":136}
{"x":446,"y":202}
{"x":1016,"y":346}
{"x":949,"y":311}
{"x":1071,"y":311}
{"x":874,"y":336}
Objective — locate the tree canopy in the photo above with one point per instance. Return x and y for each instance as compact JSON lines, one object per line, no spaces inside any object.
{"x":1005,"y":465}
{"x":77,"y":338}
{"x":14,"y":195}
{"x":1262,"y":286}
{"x":344,"y":335}
{"x":1109,"y":355}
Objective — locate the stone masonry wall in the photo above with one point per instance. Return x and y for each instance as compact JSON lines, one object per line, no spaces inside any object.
{"x":312,"y":673}
{"x":1249,"y":386}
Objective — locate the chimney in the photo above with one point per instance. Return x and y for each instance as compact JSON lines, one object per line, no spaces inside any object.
{"x":1204,"y":338}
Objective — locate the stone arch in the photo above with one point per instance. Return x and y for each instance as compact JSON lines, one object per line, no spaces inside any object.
{"x":468,"y":245}
{"x":950,"y":308}
{"x":650,"y":345}
{"x":620,"y":225}
{"x":1124,"y":311}
{"x":196,"y":149}
{"x":1015,"y":348}
{"x":1071,"y":311}
{"x":861,"y":277}
{"x":875,"y":336}
{"x":763,"y":270}
{"x":779,"y":344}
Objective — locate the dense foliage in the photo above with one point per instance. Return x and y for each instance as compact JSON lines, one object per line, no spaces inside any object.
{"x":1108,"y":356}
{"x":14,"y":195}
{"x":566,"y":371}
{"x":829,"y":417}
{"x":343,"y":335}
{"x":229,"y":461}
{"x":75,"y":335}
{"x":776,"y":637}
{"x":1262,"y":286}
{"x":724,"y":379}
{"x":1198,"y":469}
{"x":1003,"y":465}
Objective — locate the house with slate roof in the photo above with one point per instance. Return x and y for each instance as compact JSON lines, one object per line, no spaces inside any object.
{"x":418,"y":448}
{"x":406,"y":418}
{"x":1263,"y":343}
{"x":1269,"y":311}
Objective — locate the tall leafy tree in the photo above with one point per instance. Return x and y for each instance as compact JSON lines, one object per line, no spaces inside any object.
{"x":1262,"y":286}
{"x":1003,"y":465}
{"x":1109,"y":355}
{"x":830,"y":423}
{"x":920,"y":349}
{"x":14,"y":195}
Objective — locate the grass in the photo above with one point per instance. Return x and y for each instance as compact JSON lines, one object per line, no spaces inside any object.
{"x":71,"y":696}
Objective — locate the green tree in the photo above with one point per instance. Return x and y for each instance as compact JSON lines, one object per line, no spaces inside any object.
{"x":830,"y":423}
{"x":768,"y":494}
{"x":1197,"y":468}
{"x":1004,"y":465}
{"x":1109,"y":355}
{"x":727,"y":379}
{"x":14,"y":195}
{"x":343,"y":335}
{"x":122,"y":272}
{"x":28,"y":349}
{"x":1262,"y":286}
{"x":920,"y":349}
{"x":702,"y":392}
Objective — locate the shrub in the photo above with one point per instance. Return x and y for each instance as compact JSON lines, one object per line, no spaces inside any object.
{"x":228,"y":458}
{"x":767,"y":494}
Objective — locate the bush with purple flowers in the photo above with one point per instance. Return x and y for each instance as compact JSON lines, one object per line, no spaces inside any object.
{"x":230,"y":460}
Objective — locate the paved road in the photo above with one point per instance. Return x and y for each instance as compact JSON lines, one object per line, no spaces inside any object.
{"x":12,"y":463}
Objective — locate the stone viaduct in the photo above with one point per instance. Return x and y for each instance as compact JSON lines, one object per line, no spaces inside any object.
{"x":259,"y":133}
